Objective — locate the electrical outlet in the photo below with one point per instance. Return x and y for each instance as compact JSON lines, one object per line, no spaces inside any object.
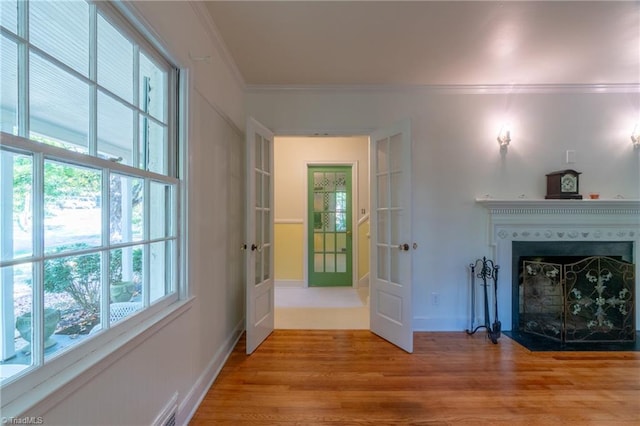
{"x":435,"y":299}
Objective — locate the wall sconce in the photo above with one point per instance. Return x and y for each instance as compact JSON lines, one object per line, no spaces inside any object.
{"x":635,"y":136}
{"x":504,"y":137}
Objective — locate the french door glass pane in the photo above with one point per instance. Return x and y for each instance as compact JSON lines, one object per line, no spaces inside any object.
{"x":394,"y":275}
{"x":383,"y":258}
{"x":395,"y":153}
{"x":382,"y":156}
{"x":58,"y":106}
{"x":258,"y":152}
{"x":72,"y":287}
{"x":267,"y":226}
{"x":61,"y":28}
{"x":115,"y":130}
{"x":153,"y":88}
{"x":341,"y":262}
{"x":9,"y":86}
{"x":383,"y":216}
{"x":394,"y":226}
{"x":17,"y":334}
{"x":330,"y":242}
{"x":318,"y":242}
{"x":72,"y":213}
{"x":153,"y":147}
{"x":115,"y":61}
{"x":266,"y":162}
{"x":266,"y":270}
{"x":318,"y":262}
{"x":330,"y":262}
{"x":383,"y":191}
{"x":9,"y":15}
{"x":396,"y":193}
{"x":16,"y":207}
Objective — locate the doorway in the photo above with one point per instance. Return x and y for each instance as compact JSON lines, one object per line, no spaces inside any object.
{"x":298,"y":298}
{"x":391,"y":279}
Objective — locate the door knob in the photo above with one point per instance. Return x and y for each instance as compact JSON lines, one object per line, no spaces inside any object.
{"x":255,"y":247}
{"x":403,"y":247}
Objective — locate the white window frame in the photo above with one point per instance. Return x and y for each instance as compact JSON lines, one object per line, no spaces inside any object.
{"x":67,"y":371}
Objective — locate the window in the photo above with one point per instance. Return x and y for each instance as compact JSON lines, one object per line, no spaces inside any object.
{"x":88,"y":179}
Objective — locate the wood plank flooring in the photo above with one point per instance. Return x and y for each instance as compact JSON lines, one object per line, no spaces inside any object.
{"x":339,"y":377}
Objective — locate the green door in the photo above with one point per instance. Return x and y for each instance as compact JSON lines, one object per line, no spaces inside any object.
{"x":330,"y":233}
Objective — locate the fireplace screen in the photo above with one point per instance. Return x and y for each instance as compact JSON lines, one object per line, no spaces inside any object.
{"x":589,"y":300}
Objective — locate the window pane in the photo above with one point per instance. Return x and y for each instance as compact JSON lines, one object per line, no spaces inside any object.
{"x":9,"y":15}
{"x":72,"y":213}
{"x":71,"y":300}
{"x":115,"y":61}
{"x":9,"y":86}
{"x":160,"y":210}
{"x":153,"y":149}
{"x":58,"y":106}
{"x":115,"y":130}
{"x":125,"y":280}
{"x":153,"y":88}
{"x":126,"y":199}
{"x":61,"y":28}
{"x":16,"y":226}
{"x":161,"y":258}
{"x":16,"y":283}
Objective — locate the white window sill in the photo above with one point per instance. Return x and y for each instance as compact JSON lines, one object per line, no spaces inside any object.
{"x":48,"y":385}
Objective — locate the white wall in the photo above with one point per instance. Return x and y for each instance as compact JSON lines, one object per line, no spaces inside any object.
{"x":184,"y":356}
{"x":291,"y":155}
{"x":456,"y":158}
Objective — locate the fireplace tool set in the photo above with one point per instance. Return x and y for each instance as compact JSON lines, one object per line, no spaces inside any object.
{"x":488,"y":270}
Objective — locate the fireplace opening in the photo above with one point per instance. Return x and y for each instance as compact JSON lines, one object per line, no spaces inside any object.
{"x":574,"y":291}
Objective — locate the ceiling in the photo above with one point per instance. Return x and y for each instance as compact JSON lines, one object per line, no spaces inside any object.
{"x":307,"y":43}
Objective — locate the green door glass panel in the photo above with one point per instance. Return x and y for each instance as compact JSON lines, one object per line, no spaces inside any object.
{"x":330,"y":234}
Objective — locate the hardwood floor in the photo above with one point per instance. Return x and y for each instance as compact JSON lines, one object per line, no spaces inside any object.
{"x":354,"y":377}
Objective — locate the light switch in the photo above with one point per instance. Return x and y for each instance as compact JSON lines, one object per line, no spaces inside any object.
{"x":570,"y":157}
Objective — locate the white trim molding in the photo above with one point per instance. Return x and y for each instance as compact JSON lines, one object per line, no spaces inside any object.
{"x":557,"y":220}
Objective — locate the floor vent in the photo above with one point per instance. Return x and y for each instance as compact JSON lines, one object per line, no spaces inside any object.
{"x":167,"y":416}
{"x":171,"y":421}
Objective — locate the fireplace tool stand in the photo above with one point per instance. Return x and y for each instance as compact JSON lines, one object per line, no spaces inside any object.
{"x":488,"y":270}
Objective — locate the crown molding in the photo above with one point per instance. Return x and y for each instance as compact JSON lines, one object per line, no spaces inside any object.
{"x":463,"y":89}
{"x":212,"y":30}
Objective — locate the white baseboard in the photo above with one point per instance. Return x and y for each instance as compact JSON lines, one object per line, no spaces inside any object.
{"x":192,"y":401}
{"x":439,"y":324}
{"x":289,"y":283}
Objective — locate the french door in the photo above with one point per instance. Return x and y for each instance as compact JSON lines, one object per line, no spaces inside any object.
{"x":330,"y":232}
{"x":259,"y":234}
{"x":391,"y":237}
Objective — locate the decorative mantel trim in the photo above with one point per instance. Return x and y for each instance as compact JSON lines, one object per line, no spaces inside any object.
{"x":575,"y":207}
{"x":563,"y":220}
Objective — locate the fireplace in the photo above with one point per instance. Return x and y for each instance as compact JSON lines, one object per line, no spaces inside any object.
{"x":574,"y":291}
{"x":561,"y":233}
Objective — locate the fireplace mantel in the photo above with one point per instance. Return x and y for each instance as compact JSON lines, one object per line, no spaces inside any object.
{"x":542,"y":206}
{"x":557,"y":220}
